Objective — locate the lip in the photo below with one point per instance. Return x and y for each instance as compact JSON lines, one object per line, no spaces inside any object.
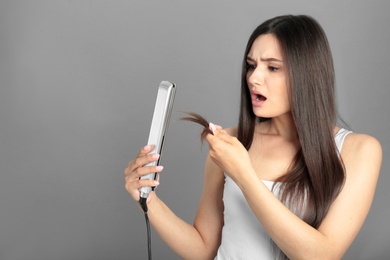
{"x":254,"y":97}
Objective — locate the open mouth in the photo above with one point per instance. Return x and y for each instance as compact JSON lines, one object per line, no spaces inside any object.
{"x":260,"y":97}
{"x":257,"y":98}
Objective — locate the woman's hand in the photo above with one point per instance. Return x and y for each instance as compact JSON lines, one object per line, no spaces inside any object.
{"x":137,"y":169}
{"x":228,"y":153}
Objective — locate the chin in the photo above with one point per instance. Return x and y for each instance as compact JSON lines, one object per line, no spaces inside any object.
{"x":260,"y":113}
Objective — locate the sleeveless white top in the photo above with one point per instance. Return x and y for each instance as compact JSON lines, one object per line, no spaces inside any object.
{"x":243,"y":237}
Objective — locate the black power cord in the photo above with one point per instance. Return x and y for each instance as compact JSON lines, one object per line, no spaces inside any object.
{"x":142,"y":202}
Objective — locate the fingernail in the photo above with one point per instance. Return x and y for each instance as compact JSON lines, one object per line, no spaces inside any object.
{"x":146,"y":147}
{"x":155,"y":156}
{"x":212,"y":127}
{"x":159,"y":168}
{"x":156,"y":183}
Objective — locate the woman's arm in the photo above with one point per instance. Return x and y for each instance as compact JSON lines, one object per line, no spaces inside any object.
{"x":362,"y":156}
{"x":201,"y":240}
{"x":198,"y":241}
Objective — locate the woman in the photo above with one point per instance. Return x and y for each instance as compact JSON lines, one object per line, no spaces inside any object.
{"x":287,"y":182}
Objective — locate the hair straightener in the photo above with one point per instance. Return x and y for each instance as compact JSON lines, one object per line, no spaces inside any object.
{"x":158,"y":129}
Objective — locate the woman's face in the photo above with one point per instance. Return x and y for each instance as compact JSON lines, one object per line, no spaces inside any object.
{"x":266,"y":78}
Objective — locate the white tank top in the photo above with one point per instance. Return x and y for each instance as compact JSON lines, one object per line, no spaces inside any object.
{"x":243,"y":237}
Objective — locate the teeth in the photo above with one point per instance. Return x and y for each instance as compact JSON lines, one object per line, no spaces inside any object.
{"x":260,"y":97}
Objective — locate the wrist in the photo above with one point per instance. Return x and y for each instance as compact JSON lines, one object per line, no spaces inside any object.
{"x":152,"y":201}
{"x":247,"y":176}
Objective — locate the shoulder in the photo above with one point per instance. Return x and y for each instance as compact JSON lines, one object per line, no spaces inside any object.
{"x":361,"y":144}
{"x":362,"y":157}
{"x":361,"y":151}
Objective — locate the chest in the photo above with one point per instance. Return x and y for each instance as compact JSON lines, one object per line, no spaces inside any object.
{"x":271,"y":157}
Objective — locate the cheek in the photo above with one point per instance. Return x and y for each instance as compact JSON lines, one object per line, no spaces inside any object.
{"x":247,"y":78}
{"x":287,"y":100}
{"x":283,"y":92}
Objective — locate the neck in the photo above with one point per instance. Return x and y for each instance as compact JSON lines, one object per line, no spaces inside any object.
{"x":282,"y":126}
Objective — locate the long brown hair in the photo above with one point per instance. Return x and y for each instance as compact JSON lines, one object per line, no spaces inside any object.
{"x":316,"y":175}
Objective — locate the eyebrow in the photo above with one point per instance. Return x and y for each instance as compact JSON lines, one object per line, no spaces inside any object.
{"x":264,"y":59}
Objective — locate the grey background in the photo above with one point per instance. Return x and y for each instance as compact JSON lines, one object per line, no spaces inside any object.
{"x":78,"y":81}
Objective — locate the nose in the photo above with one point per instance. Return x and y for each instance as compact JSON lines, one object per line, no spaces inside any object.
{"x":255,"y":77}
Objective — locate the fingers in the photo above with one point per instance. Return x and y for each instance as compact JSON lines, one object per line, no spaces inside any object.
{"x":139,"y":167}
{"x":214,"y":128}
{"x":143,"y":158}
{"x":133,"y":185}
{"x":219,"y":133}
{"x":145,"y":150}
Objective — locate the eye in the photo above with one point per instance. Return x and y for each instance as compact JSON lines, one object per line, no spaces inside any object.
{"x":273,"y":69}
{"x":250,"y":67}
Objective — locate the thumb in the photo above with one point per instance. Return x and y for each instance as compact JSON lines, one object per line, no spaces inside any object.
{"x":213,"y":128}
{"x":219,"y":132}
